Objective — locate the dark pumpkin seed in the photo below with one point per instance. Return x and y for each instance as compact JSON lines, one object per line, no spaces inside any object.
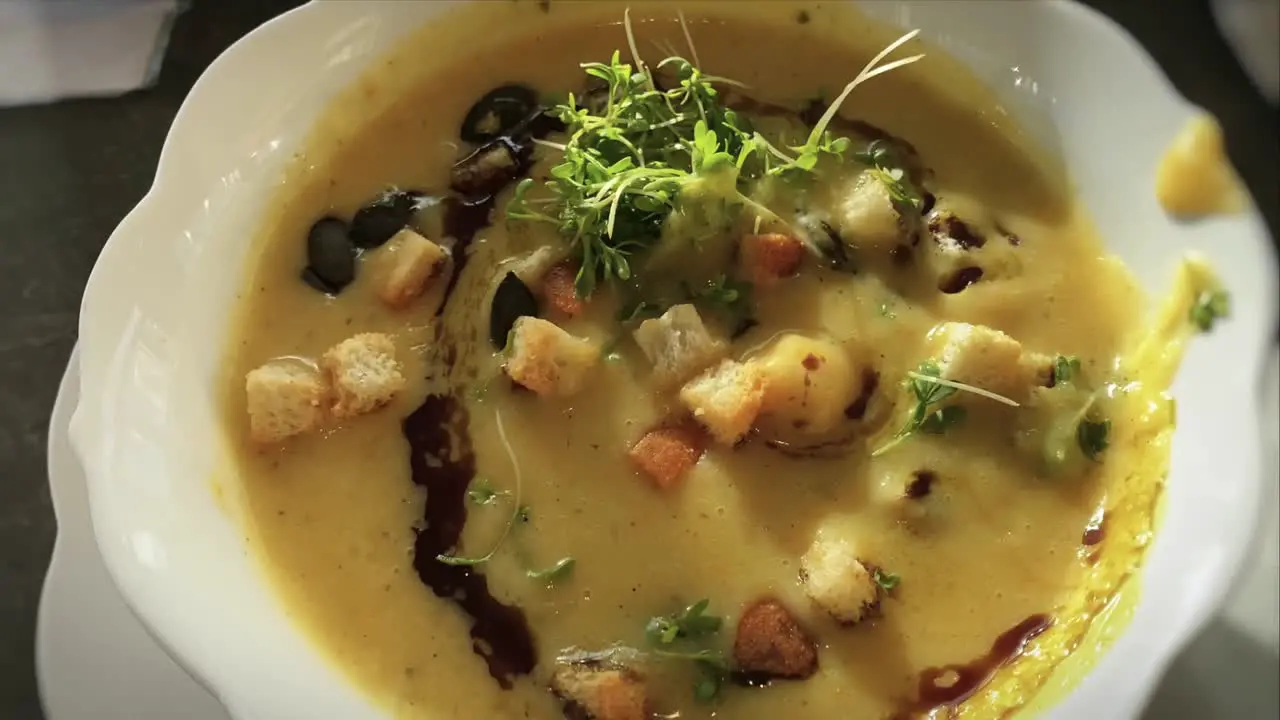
{"x":511,"y":301}
{"x":498,"y":112}
{"x":330,"y":256}
{"x":490,"y":168}
{"x":379,"y":221}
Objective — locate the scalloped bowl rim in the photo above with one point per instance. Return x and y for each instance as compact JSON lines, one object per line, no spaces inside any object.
{"x":132,"y":403}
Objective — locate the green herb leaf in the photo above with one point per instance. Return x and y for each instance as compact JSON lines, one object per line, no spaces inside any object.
{"x":942,"y":419}
{"x":1209,"y":307}
{"x":887,"y":312}
{"x":692,"y":623}
{"x":555,"y":573}
{"x":1065,"y":369}
{"x":886,"y":580}
{"x":1092,"y":437}
{"x":731,"y":298}
{"x":483,"y":493}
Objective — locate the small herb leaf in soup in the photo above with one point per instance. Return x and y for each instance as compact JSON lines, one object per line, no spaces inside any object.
{"x":886,"y":580}
{"x":1065,"y":369}
{"x":692,"y":623}
{"x":1093,"y":437}
{"x":551,"y":575}
{"x":1210,"y":307}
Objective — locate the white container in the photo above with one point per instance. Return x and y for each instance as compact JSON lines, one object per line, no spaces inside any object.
{"x":156,"y":309}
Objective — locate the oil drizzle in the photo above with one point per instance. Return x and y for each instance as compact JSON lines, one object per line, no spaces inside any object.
{"x":500,"y":633}
{"x":951,"y":685}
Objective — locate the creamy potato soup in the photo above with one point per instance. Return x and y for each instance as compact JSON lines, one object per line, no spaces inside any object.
{"x":704,"y":360}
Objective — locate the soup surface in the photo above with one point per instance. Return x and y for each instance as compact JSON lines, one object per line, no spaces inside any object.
{"x":992,"y":524}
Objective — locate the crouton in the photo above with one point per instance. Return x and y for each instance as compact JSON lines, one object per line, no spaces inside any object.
{"x":808,"y":383}
{"x":667,"y":453}
{"x":836,"y":580}
{"x":726,"y":399}
{"x":770,"y":641}
{"x":547,"y":360}
{"x":407,"y":265}
{"x":981,"y":356}
{"x":768,"y":258}
{"x":867,"y":219}
{"x":285,"y":398}
{"x":560,"y":291}
{"x":598,"y":691}
{"x":364,"y":373}
{"x":678,"y":345}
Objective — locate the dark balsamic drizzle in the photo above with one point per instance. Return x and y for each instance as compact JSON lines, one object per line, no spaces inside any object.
{"x":500,"y":633}
{"x":441,"y":460}
{"x":951,"y":685}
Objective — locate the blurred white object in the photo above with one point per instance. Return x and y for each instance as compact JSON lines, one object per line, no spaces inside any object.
{"x":54,"y":49}
{"x":1252,"y":27}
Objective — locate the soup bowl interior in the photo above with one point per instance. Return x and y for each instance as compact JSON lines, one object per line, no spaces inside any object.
{"x":157,"y":310}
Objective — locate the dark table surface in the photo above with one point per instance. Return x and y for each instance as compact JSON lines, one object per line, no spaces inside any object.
{"x":70,"y":171}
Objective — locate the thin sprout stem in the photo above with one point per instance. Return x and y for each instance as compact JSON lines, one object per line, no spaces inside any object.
{"x":962,"y":386}
{"x":515,"y":505}
{"x":635,"y":52}
{"x":862,"y":76}
{"x":684,"y":26}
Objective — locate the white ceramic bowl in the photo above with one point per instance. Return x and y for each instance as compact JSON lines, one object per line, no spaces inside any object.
{"x":155,"y":315}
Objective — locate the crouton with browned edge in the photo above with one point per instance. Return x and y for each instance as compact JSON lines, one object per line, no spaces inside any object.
{"x":666,"y":454}
{"x":559,"y":290}
{"x":598,"y":691}
{"x":835,"y":578}
{"x":547,"y":360}
{"x":284,"y":398}
{"x":770,"y":641}
{"x":726,"y":399}
{"x":766,"y":259}
{"x":363,"y":372}
{"x":407,"y":265}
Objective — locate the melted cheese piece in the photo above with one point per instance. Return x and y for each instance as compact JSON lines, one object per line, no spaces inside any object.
{"x":1195,"y":179}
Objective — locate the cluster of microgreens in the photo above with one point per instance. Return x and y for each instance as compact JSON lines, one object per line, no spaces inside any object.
{"x":930,"y":389}
{"x":635,"y":150}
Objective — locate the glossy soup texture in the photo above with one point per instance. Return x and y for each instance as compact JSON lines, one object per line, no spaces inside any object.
{"x":332,"y":516}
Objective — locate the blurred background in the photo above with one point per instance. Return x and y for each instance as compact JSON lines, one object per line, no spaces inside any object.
{"x":88,"y":89}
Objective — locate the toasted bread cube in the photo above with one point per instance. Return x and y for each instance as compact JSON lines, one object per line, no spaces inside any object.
{"x":678,"y":345}
{"x":664,"y":455}
{"x":285,"y":398}
{"x":768,"y":258}
{"x":601,"y":692}
{"x":726,"y":399}
{"x":770,"y":641}
{"x":547,"y":360}
{"x":835,"y":579}
{"x":408,"y":263}
{"x":983,"y":357}
{"x":560,"y":291}
{"x":867,"y":219}
{"x":364,"y":373}
{"x":808,"y":383}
